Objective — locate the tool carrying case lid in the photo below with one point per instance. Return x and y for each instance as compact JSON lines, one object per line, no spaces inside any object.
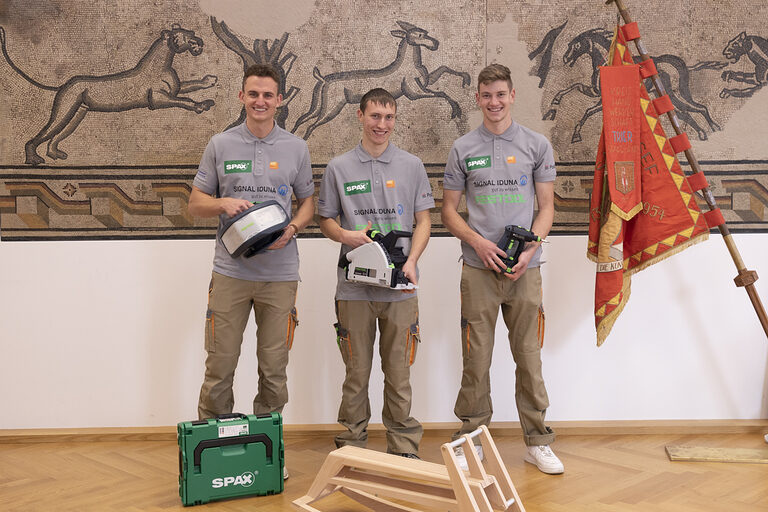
{"x":229,"y":456}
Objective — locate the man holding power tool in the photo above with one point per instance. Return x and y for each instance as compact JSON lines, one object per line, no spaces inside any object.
{"x":377,"y":186}
{"x":502,"y":166}
{"x":254,"y":162}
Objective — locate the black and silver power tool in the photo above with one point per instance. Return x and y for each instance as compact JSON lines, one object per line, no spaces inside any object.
{"x":379,"y":263}
{"x":512,"y":242}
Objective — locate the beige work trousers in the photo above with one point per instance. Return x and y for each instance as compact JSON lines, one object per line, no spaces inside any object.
{"x":230,"y":302}
{"x":398,"y":343}
{"x":483,"y":292}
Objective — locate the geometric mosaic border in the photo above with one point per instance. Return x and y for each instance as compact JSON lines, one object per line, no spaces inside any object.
{"x":109,"y":203}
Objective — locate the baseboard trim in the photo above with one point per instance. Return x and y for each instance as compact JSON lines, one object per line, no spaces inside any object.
{"x":501,"y":428}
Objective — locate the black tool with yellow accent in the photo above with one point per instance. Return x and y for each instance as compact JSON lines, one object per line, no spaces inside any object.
{"x":513,"y":242}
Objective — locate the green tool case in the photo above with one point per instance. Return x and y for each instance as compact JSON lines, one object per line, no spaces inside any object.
{"x":230,"y":456}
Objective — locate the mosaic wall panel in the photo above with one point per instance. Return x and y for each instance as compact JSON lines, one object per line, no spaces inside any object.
{"x":107,"y":106}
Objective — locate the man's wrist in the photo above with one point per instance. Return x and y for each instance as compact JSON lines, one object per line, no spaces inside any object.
{"x":295,"y":229}
{"x":532,"y":246}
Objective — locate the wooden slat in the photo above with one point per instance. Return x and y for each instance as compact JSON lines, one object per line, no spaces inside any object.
{"x":715,"y":454}
{"x":503,"y":428}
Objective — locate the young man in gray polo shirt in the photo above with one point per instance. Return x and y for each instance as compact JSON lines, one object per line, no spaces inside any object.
{"x":501,"y":166}
{"x":377,"y":186}
{"x":253,"y":162}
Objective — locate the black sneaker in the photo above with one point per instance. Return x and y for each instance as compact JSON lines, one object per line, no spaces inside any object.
{"x":409,"y":456}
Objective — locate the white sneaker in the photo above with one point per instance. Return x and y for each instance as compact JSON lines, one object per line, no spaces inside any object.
{"x":545,"y":459}
{"x":462,"y":459}
{"x":285,"y":473}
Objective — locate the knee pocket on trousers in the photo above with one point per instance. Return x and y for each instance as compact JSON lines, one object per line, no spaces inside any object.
{"x":540,"y":326}
{"x":210,"y":340}
{"x":533,"y":342}
{"x":412,"y":343}
{"x":210,"y":333}
{"x":344,"y":343}
{"x":466,"y":329}
{"x":293,"y":322}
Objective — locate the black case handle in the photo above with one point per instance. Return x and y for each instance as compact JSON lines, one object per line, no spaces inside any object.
{"x":227,"y":416}
{"x":227,"y":441}
{"x":231,"y":416}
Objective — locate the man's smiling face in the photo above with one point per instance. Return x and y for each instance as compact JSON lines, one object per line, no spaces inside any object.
{"x":378,"y":123}
{"x":260,"y":99}
{"x":495,"y":100}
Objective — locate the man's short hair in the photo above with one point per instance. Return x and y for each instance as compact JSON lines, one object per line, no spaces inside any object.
{"x":494,"y":72}
{"x":262,"y":70}
{"x":377,"y":95}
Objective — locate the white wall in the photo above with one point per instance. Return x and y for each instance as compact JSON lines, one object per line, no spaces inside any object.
{"x":109,"y":333}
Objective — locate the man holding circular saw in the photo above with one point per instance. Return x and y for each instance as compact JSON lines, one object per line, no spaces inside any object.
{"x":373,"y":190}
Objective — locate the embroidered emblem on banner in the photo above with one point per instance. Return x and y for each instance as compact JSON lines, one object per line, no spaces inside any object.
{"x":625,"y":176}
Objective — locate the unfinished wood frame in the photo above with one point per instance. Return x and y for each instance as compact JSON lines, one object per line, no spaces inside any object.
{"x":374,"y":479}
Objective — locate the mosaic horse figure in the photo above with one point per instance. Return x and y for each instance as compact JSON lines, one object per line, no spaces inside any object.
{"x":756,"y":50}
{"x":674,"y":74}
{"x":593,"y":43}
{"x":405,"y":76}
{"x":153,"y":83}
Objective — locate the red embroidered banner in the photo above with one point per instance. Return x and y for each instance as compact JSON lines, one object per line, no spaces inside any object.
{"x":621,"y":137}
{"x":642,"y":208}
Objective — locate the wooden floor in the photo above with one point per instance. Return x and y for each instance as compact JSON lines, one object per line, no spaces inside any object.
{"x":602,"y":473}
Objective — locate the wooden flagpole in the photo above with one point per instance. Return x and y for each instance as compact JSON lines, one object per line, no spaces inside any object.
{"x":745,"y":278}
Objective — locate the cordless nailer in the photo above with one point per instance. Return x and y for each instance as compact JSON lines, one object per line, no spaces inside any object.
{"x":513,"y":242}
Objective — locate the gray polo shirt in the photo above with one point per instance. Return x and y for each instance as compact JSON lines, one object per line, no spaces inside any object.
{"x":498,"y":173}
{"x":238,"y":164}
{"x":387,"y":190}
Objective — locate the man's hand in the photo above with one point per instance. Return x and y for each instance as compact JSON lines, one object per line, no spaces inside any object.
{"x":281,"y":242}
{"x":489,"y":253}
{"x":355,"y":239}
{"x":205,"y":205}
{"x":521,"y":266}
{"x":231,"y":206}
{"x":409,"y":269}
